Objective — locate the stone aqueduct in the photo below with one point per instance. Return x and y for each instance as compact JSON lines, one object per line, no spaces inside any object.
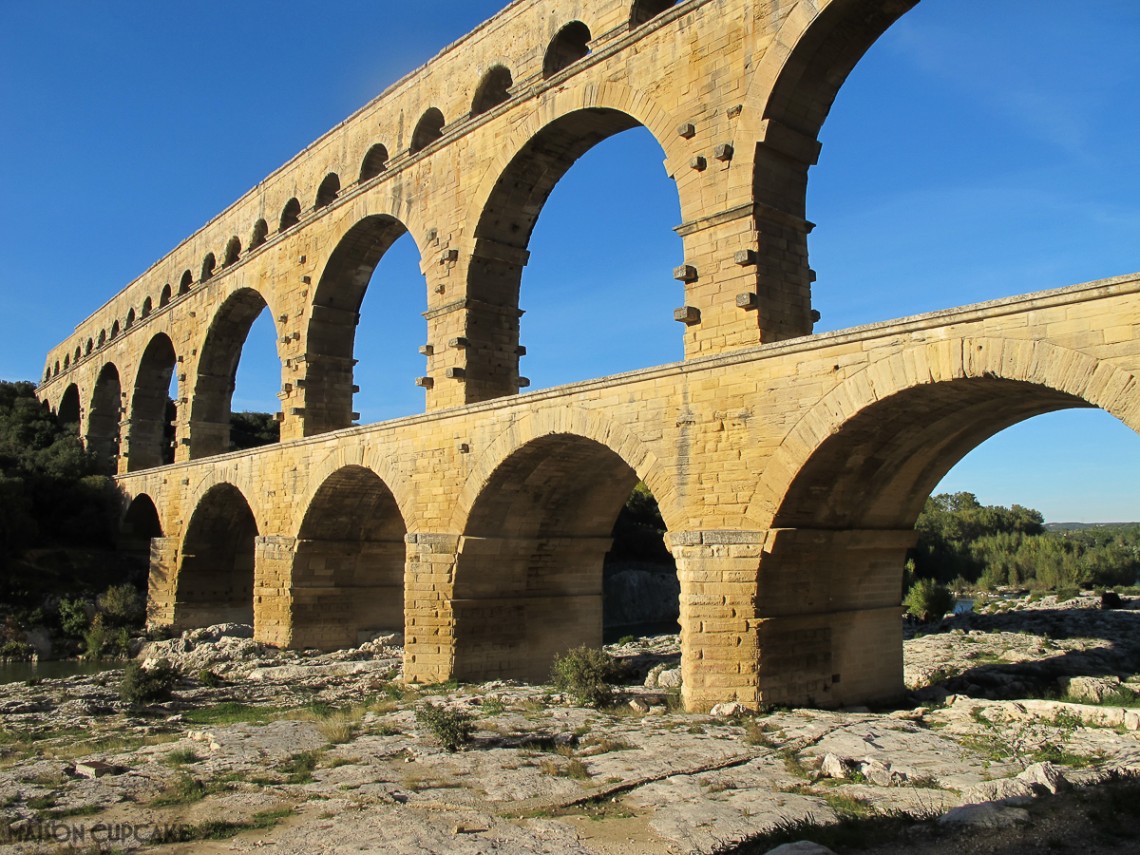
{"x":789,"y":468}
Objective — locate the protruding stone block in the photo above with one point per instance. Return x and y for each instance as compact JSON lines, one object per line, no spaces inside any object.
{"x":685,"y":273}
{"x":688,"y":315}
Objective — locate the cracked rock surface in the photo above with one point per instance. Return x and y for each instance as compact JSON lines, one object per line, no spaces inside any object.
{"x":311,"y":753}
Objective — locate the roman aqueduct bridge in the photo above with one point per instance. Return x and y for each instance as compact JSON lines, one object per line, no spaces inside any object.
{"x":789,"y":467}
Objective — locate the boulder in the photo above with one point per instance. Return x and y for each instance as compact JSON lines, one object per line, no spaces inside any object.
{"x":1092,"y":690}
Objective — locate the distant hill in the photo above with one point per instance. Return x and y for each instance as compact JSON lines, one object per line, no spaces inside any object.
{"x":1080,"y":526}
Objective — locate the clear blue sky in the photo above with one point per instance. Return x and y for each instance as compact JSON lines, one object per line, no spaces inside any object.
{"x":981,"y":149}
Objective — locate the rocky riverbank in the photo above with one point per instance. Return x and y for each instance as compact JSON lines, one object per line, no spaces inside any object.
{"x":324,"y":753}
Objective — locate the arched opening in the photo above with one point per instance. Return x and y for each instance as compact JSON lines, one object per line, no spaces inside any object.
{"x":348,"y":573}
{"x":375,"y":162}
{"x":55,"y":369}
{"x":187,"y":280}
{"x":388,"y":361}
{"x":601,"y":258}
{"x":66,"y":361}
{"x":89,"y":348}
{"x":428,"y":129}
{"x":164,"y":297}
{"x":102,"y":337}
{"x":494,"y":89}
{"x":260,"y":234}
{"x":68,"y":412}
{"x":571,"y":44}
{"x":78,"y":354}
{"x":645,"y":10}
{"x":211,"y":422}
{"x":529,"y":574}
{"x":47,"y":373}
{"x":104,"y":420}
{"x":209,"y":264}
{"x":920,"y":163}
{"x":114,"y":329}
{"x":153,"y":411}
{"x":328,"y":191}
{"x":290,"y":215}
{"x":844,"y":526}
{"x":805,"y":89}
{"x":131,"y":318}
{"x":139,"y":525}
{"x":216,"y":575}
{"x":233,"y":250}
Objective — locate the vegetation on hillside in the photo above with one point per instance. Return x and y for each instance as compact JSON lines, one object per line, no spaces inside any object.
{"x":964,"y":542}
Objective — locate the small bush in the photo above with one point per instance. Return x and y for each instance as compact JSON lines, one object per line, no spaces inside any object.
{"x":143,"y":686}
{"x":452,"y":728}
{"x":928,"y":601}
{"x":101,"y":641}
{"x":586,"y":674}
{"x":209,"y":679}
{"x":122,"y":605}
{"x":73,"y":617}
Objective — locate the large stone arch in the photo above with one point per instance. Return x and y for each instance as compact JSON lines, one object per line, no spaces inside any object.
{"x":590,"y":425}
{"x":335,"y":305}
{"x":69,"y":409}
{"x":104,"y":419}
{"x":216,"y":370}
{"x":506,"y":205}
{"x":347,"y":579}
{"x":149,"y":443}
{"x":214,"y":582}
{"x":839,"y":499}
{"x":528,"y":573}
{"x":789,"y":95}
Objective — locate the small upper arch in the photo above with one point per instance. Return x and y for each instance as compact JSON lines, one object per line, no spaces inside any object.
{"x":328,"y":191}
{"x":290,"y":214}
{"x":645,"y":10}
{"x":233,"y":250}
{"x":571,"y":44}
{"x":209,"y":264}
{"x":115,"y":329}
{"x":164,"y":297}
{"x":493,"y":90}
{"x":186,"y":281}
{"x":131,"y":318}
{"x":375,"y":162}
{"x":428,"y":129}
{"x":102,"y":337}
{"x":259,"y":235}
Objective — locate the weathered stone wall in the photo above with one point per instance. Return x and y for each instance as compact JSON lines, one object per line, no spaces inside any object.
{"x":786,"y":474}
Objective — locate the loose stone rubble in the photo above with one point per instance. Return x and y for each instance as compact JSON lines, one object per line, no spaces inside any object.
{"x":316,"y":753}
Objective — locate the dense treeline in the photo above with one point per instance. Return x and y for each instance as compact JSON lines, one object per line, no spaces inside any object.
{"x":50,"y":491}
{"x":964,"y":542}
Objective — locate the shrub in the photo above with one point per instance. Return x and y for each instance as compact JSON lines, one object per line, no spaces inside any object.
{"x":73,"y":617}
{"x":122,"y":605}
{"x":452,"y":728}
{"x":104,"y":642}
{"x":928,"y":601}
{"x":586,"y":674}
{"x":142,"y":686}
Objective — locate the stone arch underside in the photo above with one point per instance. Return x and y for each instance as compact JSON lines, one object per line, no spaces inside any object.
{"x":104,"y":419}
{"x":217,"y":372}
{"x":528,"y":577}
{"x":860,"y":466}
{"x":502,"y":233}
{"x":348,"y":569}
{"x":215,"y":577}
{"x":68,"y":411}
{"x":331,"y":333}
{"x":149,"y":437}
